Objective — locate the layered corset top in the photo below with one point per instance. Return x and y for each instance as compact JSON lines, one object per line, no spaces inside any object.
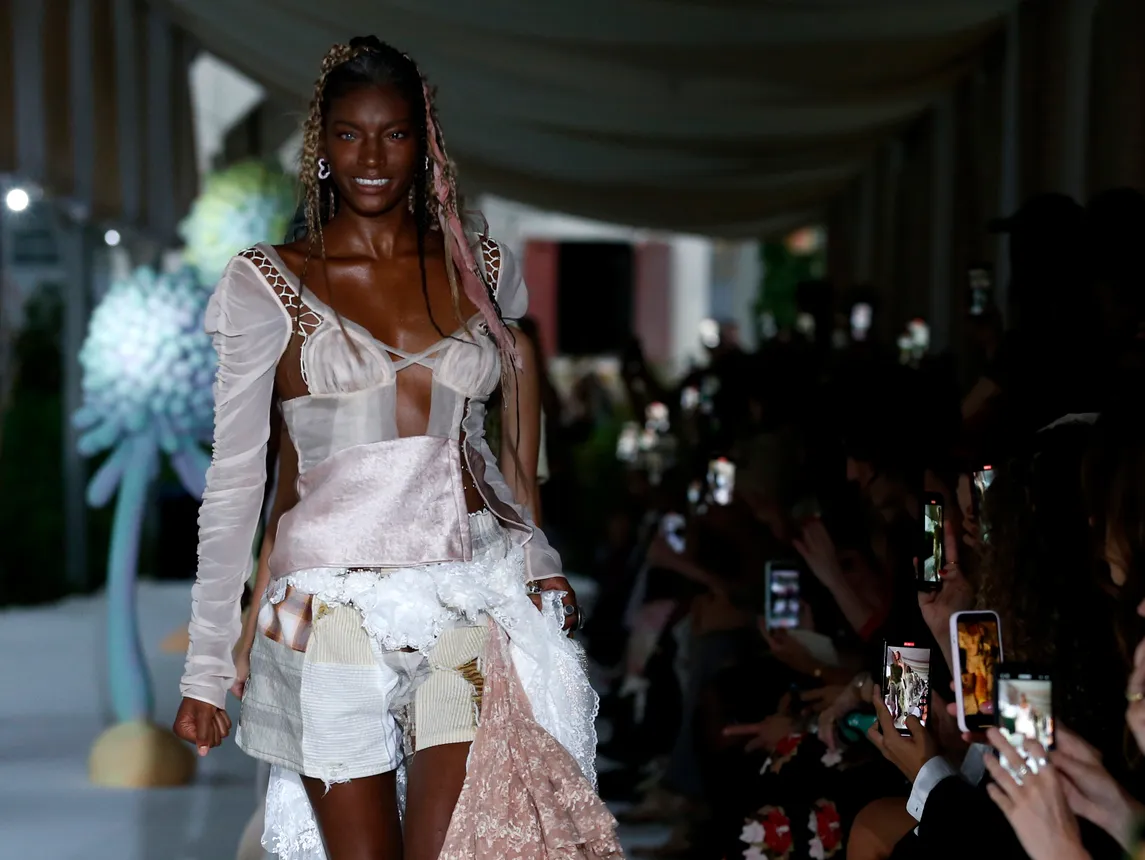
{"x":368,"y":497}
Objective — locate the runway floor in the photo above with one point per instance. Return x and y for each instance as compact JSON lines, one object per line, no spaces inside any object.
{"x":53,"y":707}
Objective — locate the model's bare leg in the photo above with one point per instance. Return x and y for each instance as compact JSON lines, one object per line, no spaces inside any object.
{"x":358,"y":819}
{"x":436,"y":775}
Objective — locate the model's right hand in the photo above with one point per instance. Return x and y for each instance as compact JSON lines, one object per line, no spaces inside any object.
{"x":201,"y":724}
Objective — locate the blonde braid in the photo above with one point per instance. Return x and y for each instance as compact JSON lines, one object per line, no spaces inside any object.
{"x":311,"y":139}
{"x":308,"y":170}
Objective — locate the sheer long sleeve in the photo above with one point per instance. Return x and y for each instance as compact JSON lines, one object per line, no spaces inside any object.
{"x":541,"y":560}
{"x":250,"y":328}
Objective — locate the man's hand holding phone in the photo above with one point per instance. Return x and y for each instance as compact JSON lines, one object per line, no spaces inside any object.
{"x":906,"y":752}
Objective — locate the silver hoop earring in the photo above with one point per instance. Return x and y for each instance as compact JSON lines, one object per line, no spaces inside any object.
{"x":323,"y":168}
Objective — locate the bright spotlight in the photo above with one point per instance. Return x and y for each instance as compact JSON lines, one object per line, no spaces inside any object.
{"x":112,"y":238}
{"x":17,"y":199}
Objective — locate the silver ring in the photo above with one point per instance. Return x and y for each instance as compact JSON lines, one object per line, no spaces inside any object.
{"x":1042,"y":763}
{"x":533,"y":587}
{"x":570,"y":610}
{"x":1023,"y":772}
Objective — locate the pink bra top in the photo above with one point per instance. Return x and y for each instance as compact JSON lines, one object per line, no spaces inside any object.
{"x":352,"y":397}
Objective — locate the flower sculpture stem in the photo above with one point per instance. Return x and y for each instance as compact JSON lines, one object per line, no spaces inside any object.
{"x":131,"y":695}
{"x":148,"y":367}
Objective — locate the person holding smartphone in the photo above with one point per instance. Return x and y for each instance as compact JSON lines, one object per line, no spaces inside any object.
{"x":1046,"y":603}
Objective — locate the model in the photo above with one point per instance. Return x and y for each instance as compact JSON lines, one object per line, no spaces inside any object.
{"x":398,"y":676}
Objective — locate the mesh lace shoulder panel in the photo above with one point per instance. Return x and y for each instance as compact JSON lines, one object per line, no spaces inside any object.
{"x":305,"y":320}
{"x":491,"y":255}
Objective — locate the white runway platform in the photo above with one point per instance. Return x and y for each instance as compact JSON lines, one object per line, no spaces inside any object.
{"x":51,"y":709}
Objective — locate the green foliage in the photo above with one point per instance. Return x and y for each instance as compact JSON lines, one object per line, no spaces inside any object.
{"x":32,"y":566}
{"x":783,"y":272}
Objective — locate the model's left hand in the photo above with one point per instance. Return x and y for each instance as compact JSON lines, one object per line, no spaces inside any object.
{"x":1035,"y":804}
{"x":906,"y":752}
{"x":559,"y":583}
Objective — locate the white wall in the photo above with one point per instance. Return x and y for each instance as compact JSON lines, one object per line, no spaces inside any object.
{"x":220,"y":96}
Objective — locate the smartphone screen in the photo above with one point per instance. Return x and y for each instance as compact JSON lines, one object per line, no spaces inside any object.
{"x":628,"y":444}
{"x":783,"y":601}
{"x":978,"y":641}
{"x":906,"y":683}
{"x":933,"y":550}
{"x":690,"y":398}
{"x":860,"y":321}
{"x":656,"y":418}
{"x":672,"y":527}
{"x":980,"y":286}
{"x":721,"y":481}
{"x":980,"y":483}
{"x":1024,"y":707}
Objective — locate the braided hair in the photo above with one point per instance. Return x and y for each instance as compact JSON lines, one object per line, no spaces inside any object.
{"x":366,"y":61}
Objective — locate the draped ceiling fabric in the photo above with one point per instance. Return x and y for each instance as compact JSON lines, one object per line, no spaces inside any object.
{"x":729,"y":117}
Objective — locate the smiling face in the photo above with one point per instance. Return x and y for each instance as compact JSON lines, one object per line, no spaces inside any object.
{"x":373,"y":149}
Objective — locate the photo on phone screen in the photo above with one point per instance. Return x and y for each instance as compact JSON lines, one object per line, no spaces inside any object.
{"x":977,"y":648}
{"x":861,"y":315}
{"x":979,"y":484}
{"x":906,"y":683}
{"x":980,"y":286}
{"x":628,"y":443}
{"x":1024,"y":707}
{"x":672,"y":527}
{"x":721,"y":481}
{"x":656,"y":418}
{"x":783,"y":600}
{"x":934,"y":542}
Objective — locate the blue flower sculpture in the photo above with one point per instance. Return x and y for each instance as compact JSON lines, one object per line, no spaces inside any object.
{"x":240,"y":206}
{"x":148,"y":367}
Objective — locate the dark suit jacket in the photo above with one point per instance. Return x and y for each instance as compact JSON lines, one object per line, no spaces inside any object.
{"x":960,"y":821}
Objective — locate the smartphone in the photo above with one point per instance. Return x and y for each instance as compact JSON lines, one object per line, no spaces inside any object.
{"x":1024,"y":707}
{"x":783,"y":604}
{"x":976,"y":646}
{"x":861,"y":315}
{"x":672,"y":527}
{"x":709,"y":388}
{"x":628,"y":443}
{"x":656,"y":418}
{"x":690,"y":398}
{"x":932,"y":552}
{"x":980,"y":286}
{"x":721,"y":481}
{"x":906,"y":683}
{"x":979,"y":484}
